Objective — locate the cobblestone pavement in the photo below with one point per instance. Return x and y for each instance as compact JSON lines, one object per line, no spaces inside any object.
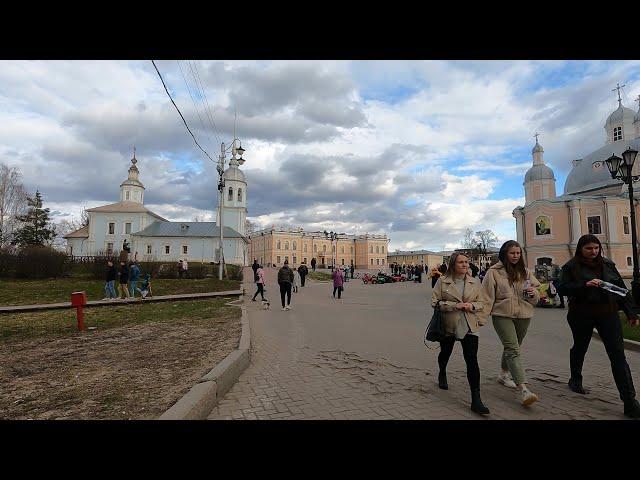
{"x":362,"y":357}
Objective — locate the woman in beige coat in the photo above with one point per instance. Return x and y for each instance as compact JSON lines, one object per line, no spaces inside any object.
{"x":510,"y":292}
{"x":459,"y":296}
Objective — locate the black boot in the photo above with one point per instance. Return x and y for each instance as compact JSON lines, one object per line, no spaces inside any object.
{"x":632,"y":408}
{"x":576,"y":386}
{"x":442,"y":380}
{"x":476,"y":403}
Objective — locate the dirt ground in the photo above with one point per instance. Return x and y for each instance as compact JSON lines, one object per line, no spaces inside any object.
{"x":129,"y":372}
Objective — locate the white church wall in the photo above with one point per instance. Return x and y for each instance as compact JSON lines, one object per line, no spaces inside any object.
{"x":99,"y":235}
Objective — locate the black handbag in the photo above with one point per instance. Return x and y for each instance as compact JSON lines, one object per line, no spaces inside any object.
{"x":435,"y":330}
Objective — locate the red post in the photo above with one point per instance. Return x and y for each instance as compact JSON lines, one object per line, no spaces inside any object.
{"x":78,"y":300}
{"x":80,"y":318}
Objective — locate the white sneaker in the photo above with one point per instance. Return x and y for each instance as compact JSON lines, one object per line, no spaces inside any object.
{"x":528,"y":397}
{"x":506,"y":380}
{"x":288,"y":307}
{"x":105,"y":298}
{"x":284,"y":308}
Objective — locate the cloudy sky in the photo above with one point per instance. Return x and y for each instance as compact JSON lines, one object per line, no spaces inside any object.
{"x":419,"y":150}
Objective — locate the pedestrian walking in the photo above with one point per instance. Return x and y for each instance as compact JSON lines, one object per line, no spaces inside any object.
{"x":259,"y":284}
{"x":510,"y":292}
{"x":338,"y":282}
{"x":255,"y":267}
{"x":134,"y":275}
{"x":285,"y":280}
{"x":459,"y":296}
{"x":353,"y":269}
{"x":185,"y":268}
{"x":296,"y":279}
{"x":123,"y":286}
{"x":303,"y":271}
{"x":313,"y":264}
{"x":591,"y":306}
{"x":109,"y":286}
{"x":180,"y":269}
{"x":435,"y":275}
{"x":555,"y":277}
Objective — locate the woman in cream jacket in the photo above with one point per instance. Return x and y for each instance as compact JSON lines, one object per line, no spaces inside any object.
{"x":459,"y":296}
{"x":510,"y":292}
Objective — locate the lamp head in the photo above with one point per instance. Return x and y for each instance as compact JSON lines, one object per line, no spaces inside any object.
{"x":613,"y":165}
{"x":629,"y":157}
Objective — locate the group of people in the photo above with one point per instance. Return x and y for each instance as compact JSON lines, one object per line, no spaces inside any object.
{"x":289,"y":280}
{"x":128,"y":277}
{"x":183,"y":268}
{"x":413,"y":272}
{"x":508,"y":294}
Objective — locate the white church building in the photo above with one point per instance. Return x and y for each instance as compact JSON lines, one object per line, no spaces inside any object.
{"x":154,"y":238}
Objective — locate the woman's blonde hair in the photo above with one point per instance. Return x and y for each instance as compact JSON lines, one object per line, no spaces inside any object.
{"x":451,"y":268}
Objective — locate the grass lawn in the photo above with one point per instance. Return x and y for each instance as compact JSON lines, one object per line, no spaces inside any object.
{"x":63,"y":322}
{"x":55,"y":290}
{"x":629,"y":332}
{"x":320,"y":276}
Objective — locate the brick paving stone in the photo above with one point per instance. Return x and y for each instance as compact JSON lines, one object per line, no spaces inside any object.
{"x":364,"y":359}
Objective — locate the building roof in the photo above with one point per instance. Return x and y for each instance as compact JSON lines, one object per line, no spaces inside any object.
{"x":80,"y":233}
{"x":620,"y":115}
{"x":412,"y":252}
{"x":126,"y":207}
{"x":234,"y":173}
{"x":585,"y":176}
{"x":539,"y":172}
{"x":186,"y":229}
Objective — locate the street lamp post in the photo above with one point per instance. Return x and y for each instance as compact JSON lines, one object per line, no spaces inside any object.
{"x":620,"y":168}
{"x":333,"y":236}
{"x":235,"y":150}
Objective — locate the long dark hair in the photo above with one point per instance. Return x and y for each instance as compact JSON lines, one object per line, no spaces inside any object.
{"x":517,"y":272}
{"x":451,"y":268}
{"x":581,"y":259}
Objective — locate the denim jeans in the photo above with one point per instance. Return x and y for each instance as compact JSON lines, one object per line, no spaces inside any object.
{"x":132,"y":287}
{"x":110,"y":289}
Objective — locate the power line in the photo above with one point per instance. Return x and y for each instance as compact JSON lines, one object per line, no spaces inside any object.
{"x":204,"y":128}
{"x":180,"y":113}
{"x":208,"y":108}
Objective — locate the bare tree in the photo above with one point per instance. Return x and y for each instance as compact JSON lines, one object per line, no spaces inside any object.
{"x":468,"y":240}
{"x":249,"y":226}
{"x":486,"y":238}
{"x":13,"y":202}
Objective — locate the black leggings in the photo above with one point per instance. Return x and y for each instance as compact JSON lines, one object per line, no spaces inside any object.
{"x":610,"y":331}
{"x":302,"y":277}
{"x":470,"y":351}
{"x":285,"y":288}
{"x":433,"y":281}
{"x":259,"y":291}
{"x":339,"y":290}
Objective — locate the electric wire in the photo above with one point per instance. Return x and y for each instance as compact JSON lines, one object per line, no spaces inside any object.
{"x":204,"y":95}
{"x":180,"y":113}
{"x":204,"y":127}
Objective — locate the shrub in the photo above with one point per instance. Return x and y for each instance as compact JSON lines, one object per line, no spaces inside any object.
{"x":8,"y":258}
{"x":234,"y":272}
{"x":39,"y":262}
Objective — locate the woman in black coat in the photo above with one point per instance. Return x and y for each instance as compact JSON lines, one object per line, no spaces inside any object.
{"x":591,"y":306}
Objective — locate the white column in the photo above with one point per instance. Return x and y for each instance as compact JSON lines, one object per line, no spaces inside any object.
{"x":576,"y":226}
{"x":519,"y":219}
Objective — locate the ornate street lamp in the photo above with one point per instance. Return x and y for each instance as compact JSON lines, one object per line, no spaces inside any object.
{"x":621,"y":169}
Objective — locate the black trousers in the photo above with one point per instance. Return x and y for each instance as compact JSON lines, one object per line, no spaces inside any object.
{"x":610,"y":331}
{"x":285,"y":288}
{"x":339,"y":290}
{"x":259,"y":291}
{"x":469,"y":350}
{"x":302,"y":277}
{"x":433,"y":281}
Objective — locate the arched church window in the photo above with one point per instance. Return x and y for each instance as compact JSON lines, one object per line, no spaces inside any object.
{"x":324,"y":248}
{"x":617,"y":134}
{"x":543,"y":225}
{"x":377,"y":249}
{"x":230,"y":193}
{"x":239,"y":194}
{"x":127,"y":194}
{"x":279,"y":245}
{"x":295,"y":246}
{"x":286,"y":245}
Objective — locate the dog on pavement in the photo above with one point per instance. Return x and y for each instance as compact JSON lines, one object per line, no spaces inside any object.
{"x":266,"y":305}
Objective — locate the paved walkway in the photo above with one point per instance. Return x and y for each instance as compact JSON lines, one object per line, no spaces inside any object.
{"x":362,"y":357}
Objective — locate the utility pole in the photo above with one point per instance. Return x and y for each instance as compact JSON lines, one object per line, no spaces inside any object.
{"x":220,"y":207}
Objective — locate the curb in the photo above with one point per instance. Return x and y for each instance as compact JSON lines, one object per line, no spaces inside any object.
{"x":628,"y":344}
{"x":198,"y":402}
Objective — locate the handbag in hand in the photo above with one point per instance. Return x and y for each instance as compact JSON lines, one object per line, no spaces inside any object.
{"x":435,"y":330}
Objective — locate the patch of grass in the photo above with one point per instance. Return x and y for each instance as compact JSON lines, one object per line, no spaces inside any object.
{"x":63,"y":322}
{"x":629,"y":332}
{"x":320,"y":276}
{"x":37,"y":292}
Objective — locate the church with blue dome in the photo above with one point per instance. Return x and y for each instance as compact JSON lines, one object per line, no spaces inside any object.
{"x":548,"y":226}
